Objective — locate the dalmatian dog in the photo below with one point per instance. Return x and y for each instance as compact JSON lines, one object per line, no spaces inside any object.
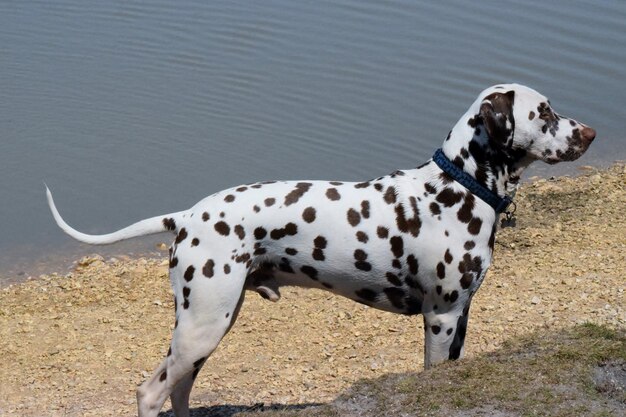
{"x":417,"y":241}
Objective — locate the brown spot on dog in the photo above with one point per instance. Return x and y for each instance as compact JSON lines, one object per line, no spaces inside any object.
{"x":466,"y":280}
{"x":393,"y":278}
{"x":362,"y":236}
{"x":241,"y":189}
{"x":182,"y":235}
{"x":531,"y":115}
{"x":445,"y":178}
{"x":390,"y":195}
{"x":189,"y":273}
{"x":366,"y":294}
{"x":435,"y":209}
{"x":411,"y":282}
{"x":169,"y":224}
{"x":449,"y":197}
{"x":309,"y":271}
{"x":260,"y":233}
{"x":285,"y":266}
{"x":382,"y":232}
{"x":229,"y":198}
{"x":299,"y":191}
{"x":360,"y":255}
{"x":435,"y":329}
{"x":336,"y":183}
{"x":226,"y":269}
{"x":269,"y":202}
{"x":469,"y":267}
{"x":238,"y":229}
{"x":363,"y":265}
{"x":430,"y":189}
{"x":290,"y":229}
{"x":465,"y":212}
{"x":441,"y":270}
{"x":474,"y":225}
{"x":222,"y":228}
{"x":332,"y":194}
{"x":256,"y":208}
{"x":291,"y":251}
{"x":396,"y":263}
{"x":395,"y":296}
{"x":447,"y":256}
{"x":492,"y":237}
{"x":406,"y":224}
{"x":411,"y":260}
{"x":320,"y":242}
{"x":244,"y":258}
{"x":362,"y":184}
{"x":173,"y":262}
{"x":195,"y":241}
{"x":469,"y":245}
{"x":309,"y":214}
{"x":207,"y":270}
{"x":354,"y":217}
{"x":397,"y":246}
{"x":365,"y":209}
{"x":205,"y":216}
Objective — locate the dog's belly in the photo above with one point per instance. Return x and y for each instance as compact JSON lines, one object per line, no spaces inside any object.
{"x":369,"y":277}
{"x":376,"y":293}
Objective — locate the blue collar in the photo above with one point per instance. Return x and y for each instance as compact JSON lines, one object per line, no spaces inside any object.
{"x":499,"y":204}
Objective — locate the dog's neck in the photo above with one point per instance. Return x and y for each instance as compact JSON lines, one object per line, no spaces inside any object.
{"x":494,"y":167}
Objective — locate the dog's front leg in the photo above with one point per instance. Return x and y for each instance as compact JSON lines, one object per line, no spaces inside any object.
{"x":445,"y":334}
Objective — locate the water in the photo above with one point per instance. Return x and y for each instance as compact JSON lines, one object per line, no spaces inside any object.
{"x":133,"y":109}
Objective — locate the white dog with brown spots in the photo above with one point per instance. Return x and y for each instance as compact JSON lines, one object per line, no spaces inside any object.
{"x":418,"y":241}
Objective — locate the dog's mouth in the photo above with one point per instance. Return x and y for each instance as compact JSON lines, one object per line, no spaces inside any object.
{"x":578,"y":143}
{"x":571,"y":154}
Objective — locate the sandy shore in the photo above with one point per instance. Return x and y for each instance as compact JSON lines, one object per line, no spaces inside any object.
{"x":78,"y":345}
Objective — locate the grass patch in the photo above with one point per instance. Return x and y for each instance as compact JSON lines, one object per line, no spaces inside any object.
{"x":546,"y":374}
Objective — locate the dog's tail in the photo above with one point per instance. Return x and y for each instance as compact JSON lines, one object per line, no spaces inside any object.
{"x":145,"y":227}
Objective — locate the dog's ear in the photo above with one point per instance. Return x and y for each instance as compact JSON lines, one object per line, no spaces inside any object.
{"x":496,"y":112}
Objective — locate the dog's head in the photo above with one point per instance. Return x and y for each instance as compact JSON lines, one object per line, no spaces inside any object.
{"x":517,"y":119}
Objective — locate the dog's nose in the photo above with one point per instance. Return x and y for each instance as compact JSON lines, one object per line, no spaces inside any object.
{"x":588,"y":134}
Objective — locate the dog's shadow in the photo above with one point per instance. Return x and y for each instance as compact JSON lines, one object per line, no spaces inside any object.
{"x":230,"y":410}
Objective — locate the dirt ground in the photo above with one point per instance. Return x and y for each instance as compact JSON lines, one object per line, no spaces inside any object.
{"x":79,"y":344}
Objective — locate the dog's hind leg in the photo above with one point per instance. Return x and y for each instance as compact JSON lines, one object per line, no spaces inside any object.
{"x":207,"y":306}
{"x":180,"y":394}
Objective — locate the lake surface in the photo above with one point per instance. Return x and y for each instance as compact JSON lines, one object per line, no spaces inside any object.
{"x":130,"y":109}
